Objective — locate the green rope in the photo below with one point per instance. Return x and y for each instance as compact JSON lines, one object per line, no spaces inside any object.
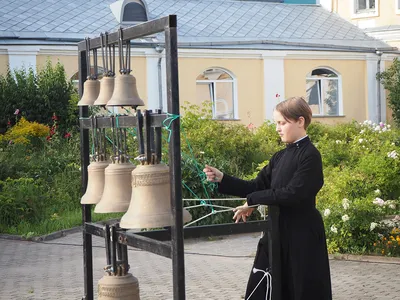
{"x":167,"y":123}
{"x":170,"y":119}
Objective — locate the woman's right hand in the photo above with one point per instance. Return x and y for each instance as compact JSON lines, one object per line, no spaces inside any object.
{"x":213,"y":174}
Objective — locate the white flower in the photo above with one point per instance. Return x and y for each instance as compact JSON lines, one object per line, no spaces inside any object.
{"x":333,"y":229}
{"x":392,"y":206}
{"x":396,"y":218}
{"x":392,"y":144}
{"x":377,"y":192}
{"x":201,"y":152}
{"x":345,"y":218}
{"x":369,"y":122}
{"x":377,"y":128}
{"x":362,"y":131}
{"x":379,"y":201}
{"x":338,"y":141}
{"x":327,"y":212}
{"x":360,"y":140}
{"x":392,"y":154}
{"x":384,"y":129}
{"x":388,"y":126}
{"x":372,"y":226}
{"x":346,"y":203}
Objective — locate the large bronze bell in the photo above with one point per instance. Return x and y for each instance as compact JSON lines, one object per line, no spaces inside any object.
{"x":150,"y":206}
{"x":112,"y":287}
{"x":91,"y":91}
{"x":125,"y":92}
{"x":117,"y":188}
{"x":106,"y":90}
{"x":95,"y":184}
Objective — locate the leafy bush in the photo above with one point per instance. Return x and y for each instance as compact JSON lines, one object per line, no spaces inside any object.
{"x":37,"y":96}
{"x":391,"y":81}
{"x":22,"y":199}
{"x":24,"y":131}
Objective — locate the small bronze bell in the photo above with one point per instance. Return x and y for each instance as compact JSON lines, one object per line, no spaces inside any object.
{"x":117,"y":188}
{"x":125,"y":92}
{"x":111,"y":287}
{"x":90,"y":92}
{"x":150,"y":205}
{"x":95,"y":184}
{"x":106,"y":90}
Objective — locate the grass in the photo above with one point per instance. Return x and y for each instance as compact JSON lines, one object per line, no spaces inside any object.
{"x":69,"y":219}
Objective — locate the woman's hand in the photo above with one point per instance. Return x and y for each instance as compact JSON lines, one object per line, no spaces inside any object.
{"x":242,"y":212}
{"x":213,"y":174}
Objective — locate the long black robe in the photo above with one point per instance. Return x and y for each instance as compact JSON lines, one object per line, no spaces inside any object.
{"x":291,"y":180}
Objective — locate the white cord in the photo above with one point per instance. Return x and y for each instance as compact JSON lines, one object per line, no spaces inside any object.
{"x":268,"y":277}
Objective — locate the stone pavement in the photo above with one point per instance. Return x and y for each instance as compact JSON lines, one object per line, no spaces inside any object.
{"x":215,"y":269}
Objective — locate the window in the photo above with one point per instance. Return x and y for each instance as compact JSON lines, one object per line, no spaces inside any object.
{"x":75,"y":77}
{"x":219,"y":87}
{"x":364,"y":8}
{"x":323,"y":89}
{"x":129,"y":11}
{"x":397,"y":5}
{"x":134,"y":12}
{"x":365,"y":5}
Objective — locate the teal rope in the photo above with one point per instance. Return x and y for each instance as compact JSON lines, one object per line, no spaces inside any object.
{"x":170,"y":119}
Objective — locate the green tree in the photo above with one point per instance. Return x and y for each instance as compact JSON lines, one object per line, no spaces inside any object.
{"x":391,"y":81}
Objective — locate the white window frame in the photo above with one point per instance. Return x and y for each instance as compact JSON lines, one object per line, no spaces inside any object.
{"x":214,"y":93}
{"x":397,"y":6}
{"x":367,"y":13}
{"x":340,"y":98}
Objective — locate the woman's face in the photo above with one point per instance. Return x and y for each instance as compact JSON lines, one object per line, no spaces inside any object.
{"x":289,"y":131}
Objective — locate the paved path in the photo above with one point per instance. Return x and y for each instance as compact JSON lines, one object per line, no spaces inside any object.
{"x":215,"y":269}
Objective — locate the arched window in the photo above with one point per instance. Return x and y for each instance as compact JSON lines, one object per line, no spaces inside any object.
{"x":134,"y":12}
{"x":75,"y":77}
{"x":129,"y":11}
{"x":219,"y":87}
{"x":323,"y":87}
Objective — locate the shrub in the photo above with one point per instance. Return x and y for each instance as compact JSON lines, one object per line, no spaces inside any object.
{"x":23,"y":199}
{"x":24,"y":131}
{"x":37,"y":96}
{"x":391,"y":81}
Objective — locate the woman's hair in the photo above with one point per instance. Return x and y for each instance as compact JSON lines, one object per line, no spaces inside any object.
{"x":293,"y":108}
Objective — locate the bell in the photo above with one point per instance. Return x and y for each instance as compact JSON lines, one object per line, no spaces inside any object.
{"x":111,"y":287}
{"x":150,"y":205}
{"x":125,"y":92}
{"x":95,"y":183}
{"x":117,"y":188}
{"x":91,"y":91}
{"x":106,"y":90}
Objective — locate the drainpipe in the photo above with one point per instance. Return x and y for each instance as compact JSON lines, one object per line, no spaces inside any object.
{"x":159,"y":49}
{"x":378,"y":92}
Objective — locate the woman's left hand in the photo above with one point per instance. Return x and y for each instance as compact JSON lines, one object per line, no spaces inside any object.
{"x":242,"y":212}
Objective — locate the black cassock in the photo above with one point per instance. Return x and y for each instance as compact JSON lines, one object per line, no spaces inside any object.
{"x":291,"y":180}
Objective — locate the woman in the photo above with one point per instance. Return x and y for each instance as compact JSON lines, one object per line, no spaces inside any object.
{"x":291,"y":180}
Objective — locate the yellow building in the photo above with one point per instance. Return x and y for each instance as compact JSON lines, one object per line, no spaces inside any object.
{"x":243,"y":56}
{"x":379,"y":18}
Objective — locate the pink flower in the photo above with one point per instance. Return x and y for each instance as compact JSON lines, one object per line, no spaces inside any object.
{"x":251,"y":126}
{"x":277,"y":95}
{"x":16,"y":112}
{"x":67,"y":135}
{"x":378,"y":201}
